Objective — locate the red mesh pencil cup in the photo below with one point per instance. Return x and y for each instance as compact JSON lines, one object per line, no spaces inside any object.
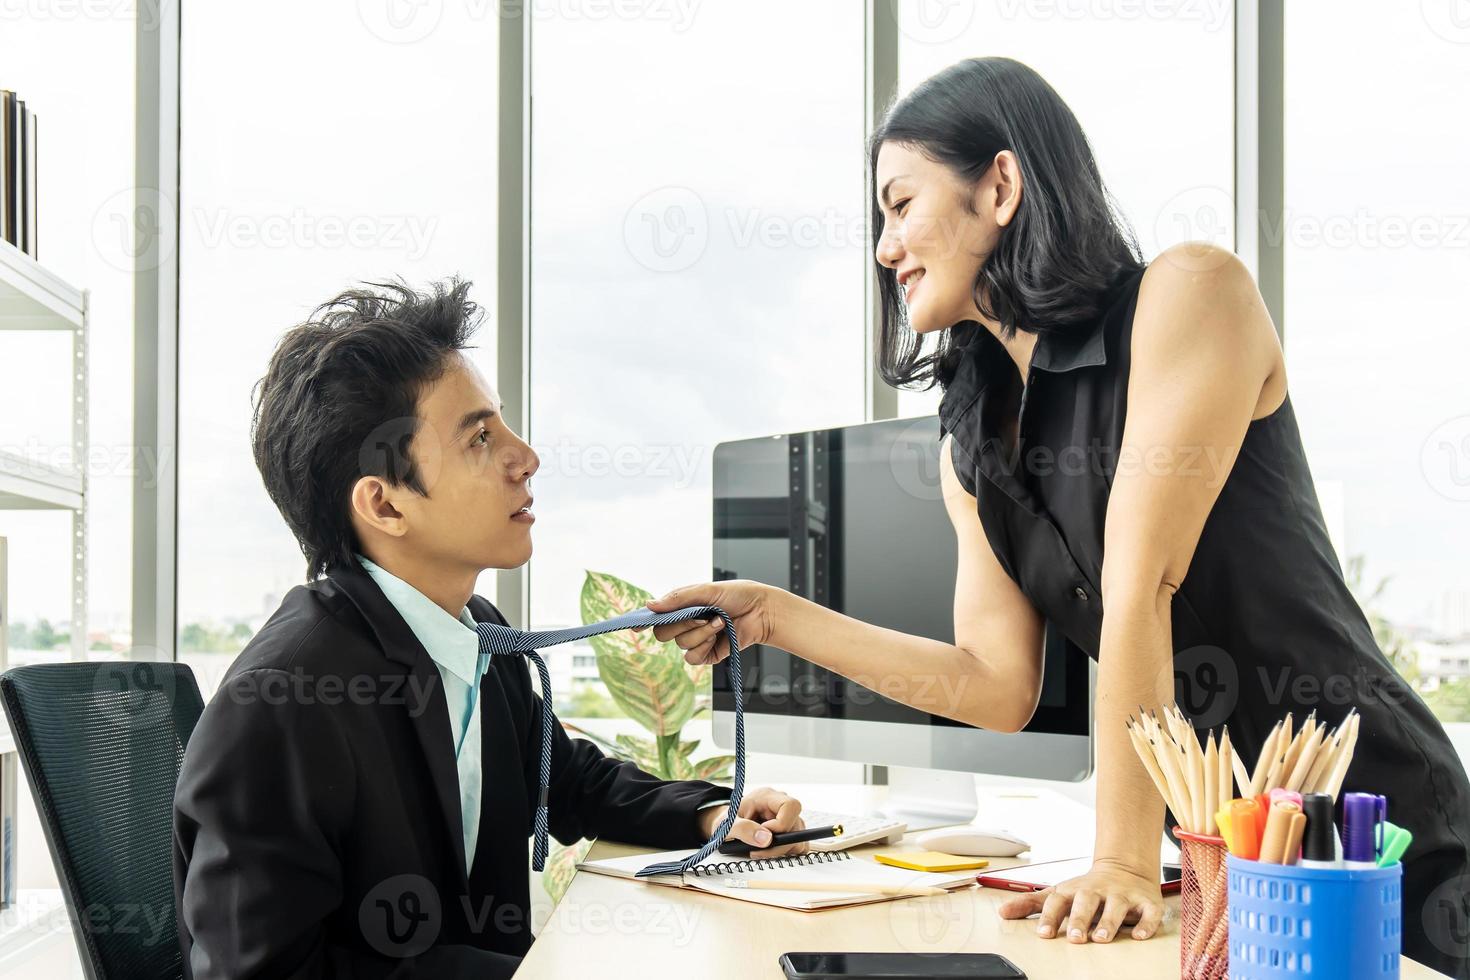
{"x":1204,"y":941}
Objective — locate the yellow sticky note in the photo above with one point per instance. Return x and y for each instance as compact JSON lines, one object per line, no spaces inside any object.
{"x":929,"y":861}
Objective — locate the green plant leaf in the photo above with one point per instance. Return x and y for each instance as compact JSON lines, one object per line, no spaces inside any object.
{"x":646,"y":678}
{"x":717,"y":768}
{"x":699,"y":676}
{"x":561,"y":867}
{"x":642,"y":753}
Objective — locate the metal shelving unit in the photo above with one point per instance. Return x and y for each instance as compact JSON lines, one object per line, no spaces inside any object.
{"x":31,"y":298}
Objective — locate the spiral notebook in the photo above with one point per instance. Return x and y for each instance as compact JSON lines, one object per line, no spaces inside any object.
{"x":824,"y":867}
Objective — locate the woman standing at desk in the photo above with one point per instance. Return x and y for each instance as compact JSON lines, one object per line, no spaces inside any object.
{"x":1097,"y":406}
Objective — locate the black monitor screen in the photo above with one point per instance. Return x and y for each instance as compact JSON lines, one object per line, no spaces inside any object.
{"x":853,"y":519}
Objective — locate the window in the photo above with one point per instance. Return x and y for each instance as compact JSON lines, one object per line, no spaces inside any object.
{"x":86,"y":176}
{"x":1376,"y":236}
{"x":370,"y":154}
{"x":697,"y":260}
{"x":85,"y":161}
{"x":1152,"y":85}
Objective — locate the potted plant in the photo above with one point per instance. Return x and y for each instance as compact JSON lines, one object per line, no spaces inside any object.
{"x":650,"y":682}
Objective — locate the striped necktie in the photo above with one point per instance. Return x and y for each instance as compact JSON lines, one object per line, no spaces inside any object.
{"x":502,"y":641}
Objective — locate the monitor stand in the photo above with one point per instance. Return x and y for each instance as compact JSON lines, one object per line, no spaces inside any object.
{"x":927,"y":798}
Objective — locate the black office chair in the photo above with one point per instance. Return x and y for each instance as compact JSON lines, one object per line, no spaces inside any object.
{"x":102,"y":744}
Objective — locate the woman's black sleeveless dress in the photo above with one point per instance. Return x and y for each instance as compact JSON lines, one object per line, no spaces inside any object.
{"x":1263,"y":623}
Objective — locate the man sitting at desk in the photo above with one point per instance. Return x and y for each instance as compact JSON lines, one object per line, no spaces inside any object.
{"x":357,"y":797}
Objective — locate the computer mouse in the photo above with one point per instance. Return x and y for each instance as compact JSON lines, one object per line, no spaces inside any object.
{"x":974,"y":842}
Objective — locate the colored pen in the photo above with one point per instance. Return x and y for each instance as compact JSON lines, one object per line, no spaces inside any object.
{"x":1243,"y":820}
{"x":1276,"y":841}
{"x":1285,"y":794}
{"x":738,"y":848}
{"x":1362,"y":828}
{"x":1319,"y":841}
{"x":1396,"y":841}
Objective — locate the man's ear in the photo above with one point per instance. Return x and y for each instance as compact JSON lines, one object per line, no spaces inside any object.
{"x":372,"y":506}
{"x":1001,"y":187}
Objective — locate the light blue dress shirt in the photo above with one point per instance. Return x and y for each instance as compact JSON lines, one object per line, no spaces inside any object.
{"x":454,"y":646}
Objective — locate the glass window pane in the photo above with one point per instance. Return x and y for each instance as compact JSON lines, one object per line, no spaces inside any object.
{"x":372,"y":157}
{"x":1152,"y":85}
{"x":76,"y":71}
{"x":74,"y":67}
{"x":697,"y":260}
{"x":1377,"y":233}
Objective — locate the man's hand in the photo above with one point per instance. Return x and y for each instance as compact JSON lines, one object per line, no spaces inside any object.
{"x":1111,"y":895}
{"x":763,"y":812}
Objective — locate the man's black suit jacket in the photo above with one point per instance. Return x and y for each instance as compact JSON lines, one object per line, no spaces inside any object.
{"x":317,"y":828}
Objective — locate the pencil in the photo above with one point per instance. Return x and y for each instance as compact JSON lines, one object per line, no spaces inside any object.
{"x":1344,"y":759}
{"x":1196,"y":789}
{"x":1169,"y":762}
{"x":1263,"y":764}
{"x":1150,"y":764}
{"x":1211,"y":776}
{"x":1322,"y":764}
{"x":1278,"y":763}
{"x":1322,"y":769}
{"x":1304,"y":761}
{"x":1242,"y":778}
{"x":1298,"y":746}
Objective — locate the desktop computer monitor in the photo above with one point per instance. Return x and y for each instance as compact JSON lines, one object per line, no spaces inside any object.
{"x":853,"y":519}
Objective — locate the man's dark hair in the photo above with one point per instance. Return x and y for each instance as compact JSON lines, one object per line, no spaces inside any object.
{"x":339,"y":401}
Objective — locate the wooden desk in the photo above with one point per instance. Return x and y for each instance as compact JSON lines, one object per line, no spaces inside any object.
{"x":607,"y":926}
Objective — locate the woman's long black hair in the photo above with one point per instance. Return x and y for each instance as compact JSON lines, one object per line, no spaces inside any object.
{"x":1054,"y":263}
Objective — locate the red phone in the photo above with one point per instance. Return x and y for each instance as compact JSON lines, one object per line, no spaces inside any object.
{"x":1036,"y":877}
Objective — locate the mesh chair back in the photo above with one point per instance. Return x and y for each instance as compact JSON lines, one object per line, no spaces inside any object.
{"x":101,"y":744}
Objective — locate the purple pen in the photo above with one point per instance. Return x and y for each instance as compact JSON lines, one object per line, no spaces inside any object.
{"x":1362,"y":822}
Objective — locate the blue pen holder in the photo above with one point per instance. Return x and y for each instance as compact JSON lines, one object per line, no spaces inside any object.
{"x":1290,"y":921}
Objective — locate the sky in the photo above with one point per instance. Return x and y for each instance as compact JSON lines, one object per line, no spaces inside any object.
{"x":698,"y":246}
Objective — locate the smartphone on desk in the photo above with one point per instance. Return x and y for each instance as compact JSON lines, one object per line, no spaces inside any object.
{"x":898,"y":966}
{"x":1035,"y":877}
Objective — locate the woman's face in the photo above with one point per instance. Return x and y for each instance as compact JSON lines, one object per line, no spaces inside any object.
{"x":937,"y":230}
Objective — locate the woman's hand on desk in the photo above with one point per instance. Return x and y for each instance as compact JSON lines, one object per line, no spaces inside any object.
{"x":1122,"y":896}
{"x":703,"y":640}
{"x":763,"y":811}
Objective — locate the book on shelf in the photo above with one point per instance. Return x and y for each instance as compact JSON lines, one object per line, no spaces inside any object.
{"x":19,"y":174}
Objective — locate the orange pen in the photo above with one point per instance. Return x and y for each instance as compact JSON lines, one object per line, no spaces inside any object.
{"x":1243,"y":820}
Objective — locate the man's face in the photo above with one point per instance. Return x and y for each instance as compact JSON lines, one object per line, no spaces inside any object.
{"x":477,"y":474}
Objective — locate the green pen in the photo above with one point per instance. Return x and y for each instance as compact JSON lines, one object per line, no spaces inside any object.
{"x":1396,"y":841}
